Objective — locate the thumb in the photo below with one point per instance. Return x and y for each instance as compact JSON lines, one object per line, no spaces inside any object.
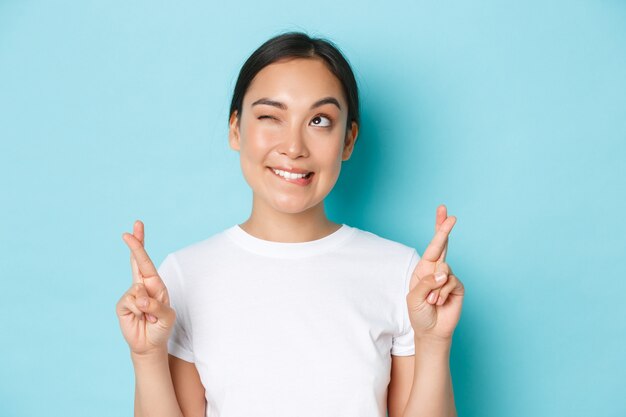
{"x":426,"y":285}
{"x":163,"y":313}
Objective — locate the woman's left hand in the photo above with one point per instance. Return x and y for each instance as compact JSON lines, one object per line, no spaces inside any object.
{"x":435,"y":306}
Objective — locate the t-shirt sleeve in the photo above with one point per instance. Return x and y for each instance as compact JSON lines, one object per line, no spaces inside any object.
{"x":179,"y":343}
{"x":403,"y":344}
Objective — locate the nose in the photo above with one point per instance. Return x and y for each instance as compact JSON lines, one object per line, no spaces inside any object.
{"x":293,"y":144}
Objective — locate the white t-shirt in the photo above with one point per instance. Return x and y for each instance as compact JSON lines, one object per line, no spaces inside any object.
{"x":291,"y":329}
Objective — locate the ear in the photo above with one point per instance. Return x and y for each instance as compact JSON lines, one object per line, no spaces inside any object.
{"x":233,"y":131}
{"x":350,"y":141}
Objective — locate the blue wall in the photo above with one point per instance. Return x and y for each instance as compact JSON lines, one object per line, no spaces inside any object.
{"x":512,"y":114}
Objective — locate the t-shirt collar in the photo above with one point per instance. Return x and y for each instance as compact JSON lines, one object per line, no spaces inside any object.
{"x":289,"y":249}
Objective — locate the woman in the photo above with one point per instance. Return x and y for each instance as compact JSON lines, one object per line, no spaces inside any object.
{"x":289,"y":313}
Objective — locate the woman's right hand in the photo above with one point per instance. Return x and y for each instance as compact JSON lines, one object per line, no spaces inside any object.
{"x":146,"y":327}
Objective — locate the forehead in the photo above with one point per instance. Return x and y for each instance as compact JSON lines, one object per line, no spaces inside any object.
{"x":295,"y":80}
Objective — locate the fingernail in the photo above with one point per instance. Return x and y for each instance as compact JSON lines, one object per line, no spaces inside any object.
{"x":440,"y":276}
{"x":431,"y":297}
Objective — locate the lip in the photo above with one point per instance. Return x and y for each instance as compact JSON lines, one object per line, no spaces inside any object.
{"x":292,"y":170}
{"x":297,"y":181}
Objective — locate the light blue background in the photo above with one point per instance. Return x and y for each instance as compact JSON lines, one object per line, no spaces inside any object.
{"x":513,"y":114}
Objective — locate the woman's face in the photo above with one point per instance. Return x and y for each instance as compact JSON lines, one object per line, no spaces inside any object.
{"x":292,"y":136}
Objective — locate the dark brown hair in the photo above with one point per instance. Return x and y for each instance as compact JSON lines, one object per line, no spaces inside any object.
{"x":298,"y":45}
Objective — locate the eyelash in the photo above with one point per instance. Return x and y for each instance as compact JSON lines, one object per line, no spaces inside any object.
{"x":330,"y":120}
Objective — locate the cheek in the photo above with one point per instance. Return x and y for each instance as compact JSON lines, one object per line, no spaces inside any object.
{"x":330,"y":153}
{"x":328,"y":161}
{"x":255,"y":142}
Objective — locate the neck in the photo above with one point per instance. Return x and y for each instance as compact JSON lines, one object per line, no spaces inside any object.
{"x":272,"y":225}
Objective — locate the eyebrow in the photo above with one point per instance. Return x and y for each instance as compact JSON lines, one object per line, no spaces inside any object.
{"x":283,"y":106}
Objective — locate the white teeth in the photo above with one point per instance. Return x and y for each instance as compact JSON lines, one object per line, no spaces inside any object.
{"x":289,"y":175}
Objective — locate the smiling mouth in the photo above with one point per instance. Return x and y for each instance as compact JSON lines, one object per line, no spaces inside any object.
{"x":291,"y":175}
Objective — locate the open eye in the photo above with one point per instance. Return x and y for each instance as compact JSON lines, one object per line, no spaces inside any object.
{"x":318,"y":119}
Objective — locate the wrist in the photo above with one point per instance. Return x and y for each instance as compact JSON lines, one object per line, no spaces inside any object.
{"x":152,"y":356}
{"x":430,"y":345}
{"x":432,"y":353}
{"x":429,"y":339}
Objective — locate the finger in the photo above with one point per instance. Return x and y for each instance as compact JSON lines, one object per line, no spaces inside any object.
{"x":433,"y":296}
{"x":155,"y":288}
{"x":429,"y":283}
{"x":440,"y":216}
{"x":446,"y":289}
{"x":435,"y":249}
{"x":443,"y":267}
{"x":142,"y":300}
{"x":144,"y":263}
{"x":141,"y":293}
{"x":138,"y":232}
{"x":149,"y":276}
{"x":135,"y":270}
{"x":126,"y":305}
{"x":439,"y":267}
{"x":163,"y":313}
{"x":162,"y":295}
{"x":453,"y":286}
{"x":139,"y":290}
{"x":442,"y":258}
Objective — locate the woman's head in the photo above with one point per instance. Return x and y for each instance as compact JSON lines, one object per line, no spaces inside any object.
{"x":298,"y":45}
{"x":294,"y":114}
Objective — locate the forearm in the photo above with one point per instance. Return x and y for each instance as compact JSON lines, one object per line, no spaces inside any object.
{"x":154,"y":390}
{"x":431,"y":394}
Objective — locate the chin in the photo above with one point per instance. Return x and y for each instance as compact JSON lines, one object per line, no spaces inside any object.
{"x":290,"y":209}
{"x":292,"y":206}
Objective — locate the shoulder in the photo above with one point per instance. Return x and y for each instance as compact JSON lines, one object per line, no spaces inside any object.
{"x":380,"y":247}
{"x":202,"y":250}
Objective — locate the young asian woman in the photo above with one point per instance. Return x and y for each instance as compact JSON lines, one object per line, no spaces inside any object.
{"x":290,"y":313}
